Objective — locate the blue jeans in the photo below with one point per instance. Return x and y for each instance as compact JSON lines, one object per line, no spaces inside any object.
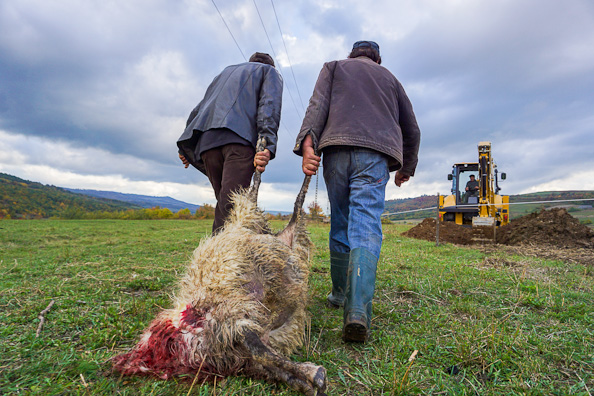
{"x":356,"y":181}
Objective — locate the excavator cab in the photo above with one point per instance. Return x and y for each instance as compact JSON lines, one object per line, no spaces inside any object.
{"x":480,"y":205}
{"x":462,"y":205}
{"x":462,"y":176}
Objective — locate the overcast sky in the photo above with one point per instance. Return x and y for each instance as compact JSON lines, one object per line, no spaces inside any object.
{"x":94,"y":94}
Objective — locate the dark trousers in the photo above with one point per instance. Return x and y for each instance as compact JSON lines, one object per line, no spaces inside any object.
{"x":228,"y":168}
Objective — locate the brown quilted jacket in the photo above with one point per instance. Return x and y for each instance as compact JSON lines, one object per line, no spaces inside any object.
{"x":357,"y":102}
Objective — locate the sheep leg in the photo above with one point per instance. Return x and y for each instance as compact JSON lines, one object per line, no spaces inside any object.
{"x":288,"y":233}
{"x":302,"y":193}
{"x":300,"y":199}
{"x":257,"y":179}
{"x":306,"y":378}
{"x":276,"y":375}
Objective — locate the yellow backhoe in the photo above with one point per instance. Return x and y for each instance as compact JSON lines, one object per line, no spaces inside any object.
{"x":475,"y":200}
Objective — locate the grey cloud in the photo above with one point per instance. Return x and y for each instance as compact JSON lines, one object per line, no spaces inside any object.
{"x":121,"y":78}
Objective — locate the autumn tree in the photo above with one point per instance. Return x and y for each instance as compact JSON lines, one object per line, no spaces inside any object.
{"x":183,"y":214}
{"x":206,"y":211}
{"x":315,"y":211}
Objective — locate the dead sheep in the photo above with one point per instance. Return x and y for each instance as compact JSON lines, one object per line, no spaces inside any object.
{"x":240,"y":309}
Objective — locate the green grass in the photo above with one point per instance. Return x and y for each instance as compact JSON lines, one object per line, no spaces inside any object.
{"x":483,"y":323}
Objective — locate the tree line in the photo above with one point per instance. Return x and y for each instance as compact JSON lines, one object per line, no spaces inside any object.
{"x":22,"y":199}
{"x":205,"y":211}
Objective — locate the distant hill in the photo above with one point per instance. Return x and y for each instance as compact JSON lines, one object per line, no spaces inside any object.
{"x":532,"y":203}
{"x":145,"y":201}
{"x":408,"y":204}
{"x":552,"y":196}
{"x":22,"y":199}
{"x":25,"y":199}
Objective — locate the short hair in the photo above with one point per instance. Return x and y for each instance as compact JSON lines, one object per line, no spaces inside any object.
{"x":368,"y":52}
{"x":261,"y":57}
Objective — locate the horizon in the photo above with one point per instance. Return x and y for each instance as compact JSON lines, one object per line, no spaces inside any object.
{"x":274,"y":211}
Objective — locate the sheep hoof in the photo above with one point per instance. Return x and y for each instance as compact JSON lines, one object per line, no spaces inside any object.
{"x":320,"y":382}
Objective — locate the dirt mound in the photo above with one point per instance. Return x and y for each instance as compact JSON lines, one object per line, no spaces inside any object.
{"x":448,"y":232}
{"x":553,"y":227}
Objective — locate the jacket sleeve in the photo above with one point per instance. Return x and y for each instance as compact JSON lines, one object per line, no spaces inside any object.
{"x":186,"y":144}
{"x":269,"y":108}
{"x":411,"y":134}
{"x":318,"y":108}
{"x":193,"y":114}
{"x":189,"y":138}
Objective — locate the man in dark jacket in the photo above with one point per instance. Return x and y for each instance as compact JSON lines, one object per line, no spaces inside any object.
{"x":241,"y":104}
{"x":472,"y":187}
{"x":362,"y":121}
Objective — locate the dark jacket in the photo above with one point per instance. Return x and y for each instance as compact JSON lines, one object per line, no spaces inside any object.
{"x":244,"y":98}
{"x":357,"y":102}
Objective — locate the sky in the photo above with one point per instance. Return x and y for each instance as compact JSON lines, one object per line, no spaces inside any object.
{"x":94,"y":94}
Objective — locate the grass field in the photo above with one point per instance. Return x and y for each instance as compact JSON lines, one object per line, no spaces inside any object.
{"x":482,"y":323}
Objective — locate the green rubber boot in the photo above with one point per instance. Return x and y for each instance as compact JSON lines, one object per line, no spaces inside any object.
{"x":359,"y":295}
{"x":339,"y":264}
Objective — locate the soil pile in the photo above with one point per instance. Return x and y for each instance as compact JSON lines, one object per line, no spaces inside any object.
{"x":448,"y":232}
{"x":553,"y":227}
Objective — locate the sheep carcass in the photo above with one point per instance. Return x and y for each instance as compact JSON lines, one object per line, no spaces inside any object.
{"x":239,"y":309}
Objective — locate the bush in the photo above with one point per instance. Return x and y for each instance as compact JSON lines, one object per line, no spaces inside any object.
{"x":206,"y":211}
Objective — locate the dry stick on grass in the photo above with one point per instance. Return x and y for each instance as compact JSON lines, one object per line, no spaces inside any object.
{"x":195,"y":377}
{"x":42,"y":318}
{"x":85,"y":384}
{"x":308,"y":335}
{"x":317,"y":341}
{"x":411,"y":360}
{"x":356,"y":380}
{"x":585,"y":385}
{"x":420,"y":295}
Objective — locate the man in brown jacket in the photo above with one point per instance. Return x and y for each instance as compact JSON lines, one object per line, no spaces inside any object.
{"x":361,"y":119}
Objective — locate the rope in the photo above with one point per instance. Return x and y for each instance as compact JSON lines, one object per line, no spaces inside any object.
{"x":316,"y":196}
{"x":287,"y":52}
{"x":274,"y":53}
{"x":232,"y":36}
{"x":409,"y":211}
{"x":276,"y":58}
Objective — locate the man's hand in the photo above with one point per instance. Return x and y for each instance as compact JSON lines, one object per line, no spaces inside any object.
{"x":184,"y":160}
{"x":310,"y":162}
{"x":261,"y":160}
{"x":401,"y":178}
